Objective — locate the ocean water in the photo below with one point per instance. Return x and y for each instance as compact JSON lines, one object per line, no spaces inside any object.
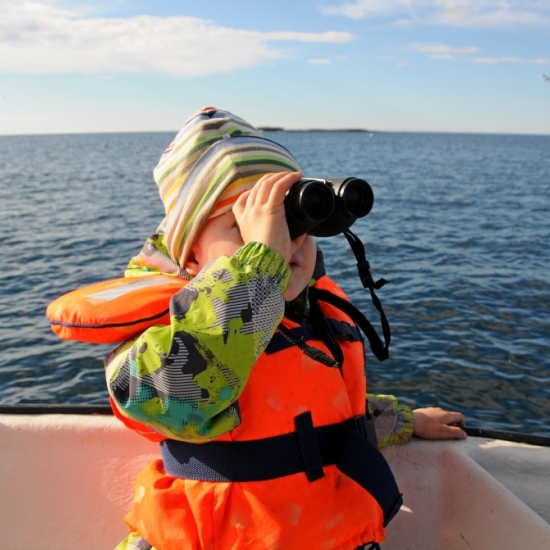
{"x":460,"y":228}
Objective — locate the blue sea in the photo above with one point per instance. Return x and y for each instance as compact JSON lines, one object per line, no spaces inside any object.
{"x":460,"y":227}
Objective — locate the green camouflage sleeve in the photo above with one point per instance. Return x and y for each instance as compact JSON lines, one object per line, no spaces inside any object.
{"x":393,"y":422}
{"x":183,"y":380}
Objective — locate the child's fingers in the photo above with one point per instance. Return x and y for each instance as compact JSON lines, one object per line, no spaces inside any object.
{"x":454,"y":419}
{"x":241,"y":201}
{"x":240,"y":204}
{"x":282,"y":186}
{"x":458,"y":433}
{"x":262,"y":186}
{"x":272,"y":188}
{"x":449,"y":418}
{"x":442,"y":431}
{"x":436,"y":423}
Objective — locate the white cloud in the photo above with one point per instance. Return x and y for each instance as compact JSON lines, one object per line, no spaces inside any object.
{"x":329,"y":36}
{"x":39,"y":37}
{"x":495,"y":60}
{"x":442,"y":49}
{"x":319,"y":61}
{"x":458,"y":13}
{"x":367,"y":8}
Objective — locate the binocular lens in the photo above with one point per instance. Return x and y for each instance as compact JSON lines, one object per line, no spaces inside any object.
{"x":316,"y":203}
{"x":357,"y":199}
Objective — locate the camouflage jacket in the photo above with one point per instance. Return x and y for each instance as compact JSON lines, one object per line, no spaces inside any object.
{"x":184,"y":380}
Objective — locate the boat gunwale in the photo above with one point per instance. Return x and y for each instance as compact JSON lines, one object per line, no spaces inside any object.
{"x":90,"y":409}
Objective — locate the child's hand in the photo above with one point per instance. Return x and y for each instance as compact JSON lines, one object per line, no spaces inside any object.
{"x":260,"y":212}
{"x":435,"y":423}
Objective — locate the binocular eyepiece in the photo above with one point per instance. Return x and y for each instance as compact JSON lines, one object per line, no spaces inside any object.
{"x":324,"y":208}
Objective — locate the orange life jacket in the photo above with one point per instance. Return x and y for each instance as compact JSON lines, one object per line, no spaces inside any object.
{"x":290,"y":512}
{"x":115,"y":310}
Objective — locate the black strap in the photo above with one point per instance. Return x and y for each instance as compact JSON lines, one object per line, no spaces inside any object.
{"x":363,"y":266}
{"x":317,"y":320}
{"x":340,"y":329}
{"x":315,"y":353}
{"x":306,"y":450}
{"x":379,"y":348}
{"x":311,"y":454}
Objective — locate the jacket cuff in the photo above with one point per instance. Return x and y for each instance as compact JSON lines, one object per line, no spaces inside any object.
{"x":265,"y":260}
{"x":407,"y":415}
{"x":393,"y":421}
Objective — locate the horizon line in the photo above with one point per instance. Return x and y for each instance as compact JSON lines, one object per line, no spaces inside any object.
{"x":290,"y":130}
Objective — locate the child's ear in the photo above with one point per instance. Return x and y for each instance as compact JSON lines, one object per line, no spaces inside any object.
{"x":191,"y":265}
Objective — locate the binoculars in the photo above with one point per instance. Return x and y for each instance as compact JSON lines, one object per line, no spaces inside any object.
{"x":324,"y":208}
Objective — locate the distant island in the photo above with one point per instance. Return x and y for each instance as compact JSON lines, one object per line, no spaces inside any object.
{"x":281,"y":129}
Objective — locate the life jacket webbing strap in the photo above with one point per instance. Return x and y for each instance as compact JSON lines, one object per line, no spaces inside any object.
{"x":340,"y":329}
{"x":315,"y":353}
{"x":283,"y":455}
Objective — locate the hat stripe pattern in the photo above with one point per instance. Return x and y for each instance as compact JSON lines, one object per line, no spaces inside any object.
{"x":200,"y":131}
{"x":210,"y":163}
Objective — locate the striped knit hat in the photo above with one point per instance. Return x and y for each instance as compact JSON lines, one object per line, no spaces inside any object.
{"x":215,"y":157}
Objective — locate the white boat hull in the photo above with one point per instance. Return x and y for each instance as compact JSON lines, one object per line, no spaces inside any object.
{"x":66,"y":482}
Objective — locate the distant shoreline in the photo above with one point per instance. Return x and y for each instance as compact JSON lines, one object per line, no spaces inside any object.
{"x":280,"y":129}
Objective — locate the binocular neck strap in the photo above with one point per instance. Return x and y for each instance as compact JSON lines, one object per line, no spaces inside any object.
{"x":380,"y":350}
{"x":363,"y":265}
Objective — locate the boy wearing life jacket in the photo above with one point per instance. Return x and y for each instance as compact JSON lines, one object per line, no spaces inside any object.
{"x":255,"y":395}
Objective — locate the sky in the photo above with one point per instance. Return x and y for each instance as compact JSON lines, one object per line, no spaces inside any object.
{"x":73,"y":66}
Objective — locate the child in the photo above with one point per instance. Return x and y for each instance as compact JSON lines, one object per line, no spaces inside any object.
{"x":251,"y":390}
